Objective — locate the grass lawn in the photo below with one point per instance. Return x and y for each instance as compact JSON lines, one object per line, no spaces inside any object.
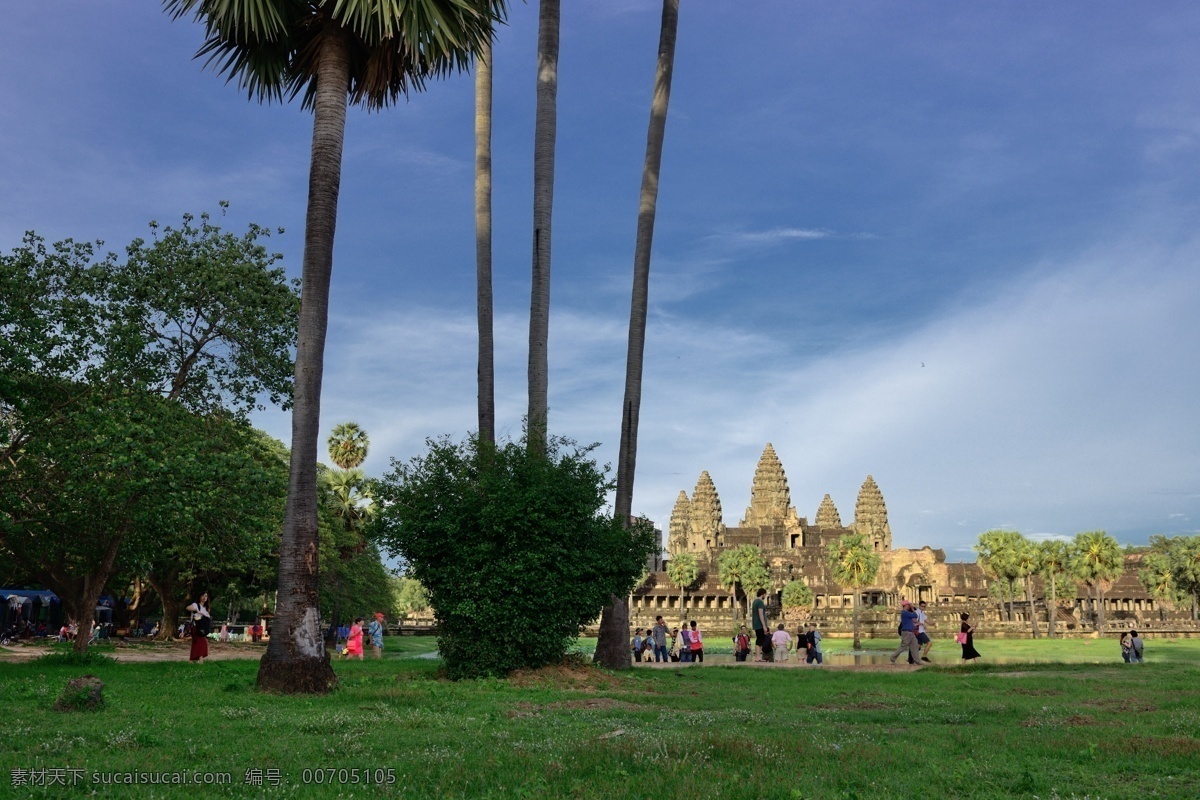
{"x":988,"y":731}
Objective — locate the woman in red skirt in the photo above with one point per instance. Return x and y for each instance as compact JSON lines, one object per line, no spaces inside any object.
{"x":201,"y":625}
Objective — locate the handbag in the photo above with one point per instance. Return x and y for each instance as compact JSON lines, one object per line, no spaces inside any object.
{"x":961,"y":638}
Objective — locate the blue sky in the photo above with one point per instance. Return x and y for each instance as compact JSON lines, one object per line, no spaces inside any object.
{"x":954,"y":246}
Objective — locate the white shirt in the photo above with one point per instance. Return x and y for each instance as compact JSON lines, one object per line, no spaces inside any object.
{"x":921,"y":620}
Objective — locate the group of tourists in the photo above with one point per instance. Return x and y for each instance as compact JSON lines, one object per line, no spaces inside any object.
{"x":661,"y":644}
{"x":354,"y":638}
{"x":915,"y":638}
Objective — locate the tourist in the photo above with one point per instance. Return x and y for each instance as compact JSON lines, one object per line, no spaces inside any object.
{"x":697,"y":643}
{"x":741,"y":645}
{"x":1126,"y":647}
{"x":636,"y":645}
{"x":922,"y":633}
{"x":674,"y":649}
{"x":966,"y":637}
{"x":1136,"y":649}
{"x":354,"y":642}
{"x":659,"y":639}
{"x":376,"y":631}
{"x":781,"y":641}
{"x":685,"y":645}
{"x":812,"y":645}
{"x":908,"y":635}
{"x":758,"y":622}
{"x":201,"y":625}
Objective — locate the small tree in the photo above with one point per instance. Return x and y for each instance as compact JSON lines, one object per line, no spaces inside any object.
{"x":683,"y":570}
{"x":853,"y":563}
{"x":512,"y":545}
{"x":742,"y":567}
{"x":796,"y":594}
{"x":998,"y":551}
{"x":1158,"y":577}
{"x":1025,"y":560}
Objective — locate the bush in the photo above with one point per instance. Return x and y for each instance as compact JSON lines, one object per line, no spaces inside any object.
{"x":512,"y":547}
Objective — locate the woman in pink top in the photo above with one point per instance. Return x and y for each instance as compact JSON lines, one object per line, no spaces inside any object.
{"x":354,"y":645}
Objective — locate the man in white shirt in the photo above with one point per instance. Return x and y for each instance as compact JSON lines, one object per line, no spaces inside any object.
{"x":923,"y":635}
{"x":780,"y":641}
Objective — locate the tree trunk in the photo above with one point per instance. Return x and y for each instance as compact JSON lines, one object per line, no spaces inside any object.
{"x":682,"y":606}
{"x":543,"y":202}
{"x":612,"y":644}
{"x":631,"y":407}
{"x":1010,"y":600}
{"x":854,"y":615}
{"x":1032,"y":612}
{"x":1100,"y":610}
{"x":1051,"y":617}
{"x":486,"y":370}
{"x":172,"y":607}
{"x":296,"y":660}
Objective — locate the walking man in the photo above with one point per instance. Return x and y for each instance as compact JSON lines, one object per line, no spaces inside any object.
{"x":908,"y":635}
{"x":923,"y":634}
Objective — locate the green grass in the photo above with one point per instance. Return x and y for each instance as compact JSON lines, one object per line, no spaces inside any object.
{"x":987,"y":731}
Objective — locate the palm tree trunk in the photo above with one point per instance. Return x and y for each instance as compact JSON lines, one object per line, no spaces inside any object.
{"x":682,"y":606}
{"x":543,"y":202}
{"x":1010,"y":601}
{"x":854,"y":614}
{"x":296,"y":660}
{"x":483,"y":244}
{"x":1100,"y":609}
{"x":1052,"y":613}
{"x":1032,"y":613}
{"x":631,"y":408}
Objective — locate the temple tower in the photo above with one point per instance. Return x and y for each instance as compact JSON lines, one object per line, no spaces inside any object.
{"x":827,"y":514}
{"x":770,"y":499}
{"x":870,"y":516}
{"x":681,"y":525}
{"x":707,"y":531}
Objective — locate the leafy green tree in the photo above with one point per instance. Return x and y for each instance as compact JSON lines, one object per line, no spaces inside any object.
{"x":1157,"y":574}
{"x":998,"y":553}
{"x":369,"y":54}
{"x":853,"y":563}
{"x":1096,"y":560}
{"x":683,"y":570}
{"x":742,"y":568}
{"x":612,"y":646}
{"x":1052,"y":565}
{"x":512,"y":546}
{"x":797,"y":594}
{"x":409,"y":596}
{"x":1184,"y":555}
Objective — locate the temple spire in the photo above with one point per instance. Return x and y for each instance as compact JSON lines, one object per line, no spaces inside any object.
{"x":870,"y":516}
{"x":827,"y":514}
{"x":770,"y":498}
{"x":681,"y":524}
{"x":707,"y":530}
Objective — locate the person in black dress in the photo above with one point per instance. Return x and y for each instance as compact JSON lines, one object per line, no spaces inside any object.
{"x":968,"y":645}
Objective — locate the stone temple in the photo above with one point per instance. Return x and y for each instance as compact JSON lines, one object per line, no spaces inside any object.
{"x":795,"y":549}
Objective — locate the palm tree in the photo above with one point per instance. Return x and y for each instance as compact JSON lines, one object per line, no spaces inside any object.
{"x":997,"y":556}
{"x":1025,"y":560}
{"x":348,"y":445}
{"x":683,"y":570}
{"x":742,"y":568}
{"x":545,"y":130}
{"x":1158,"y":577}
{"x":610,"y":648}
{"x":369,"y":54}
{"x":853,"y":563}
{"x":486,"y":370}
{"x":1097,"y":560}
{"x":1052,"y":565}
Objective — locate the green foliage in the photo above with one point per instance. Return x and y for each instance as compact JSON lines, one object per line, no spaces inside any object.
{"x":512,"y":546}
{"x":797,"y":594}
{"x":683,"y":569}
{"x":69,"y":658}
{"x":743,"y":568}
{"x":348,"y":445}
{"x":1096,"y":558}
{"x":408,"y":596}
{"x":852,"y":561}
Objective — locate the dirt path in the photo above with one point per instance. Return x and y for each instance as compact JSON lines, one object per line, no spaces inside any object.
{"x":147,"y":651}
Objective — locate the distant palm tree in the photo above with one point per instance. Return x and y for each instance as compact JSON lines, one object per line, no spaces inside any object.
{"x":614,"y":621}
{"x":683,"y":570}
{"x":1052,"y":565}
{"x":1158,"y":576}
{"x":742,"y":568}
{"x":1097,"y":560}
{"x":544,"y":133}
{"x":998,"y":551}
{"x":348,"y":445}
{"x":853,"y":563}
{"x":1025,"y":559}
{"x":370,"y":54}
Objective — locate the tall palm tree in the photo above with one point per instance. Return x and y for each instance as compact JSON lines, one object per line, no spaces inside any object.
{"x":333,"y":52}
{"x":998,"y":551}
{"x":854,"y":563}
{"x":348,"y":445}
{"x":544,"y":133}
{"x":1025,"y":560}
{"x":614,"y":620}
{"x":1158,"y":577}
{"x":486,"y":368}
{"x":1052,"y":565}
{"x":683,"y":570}
{"x":1097,"y":561}
{"x":742,"y":568}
